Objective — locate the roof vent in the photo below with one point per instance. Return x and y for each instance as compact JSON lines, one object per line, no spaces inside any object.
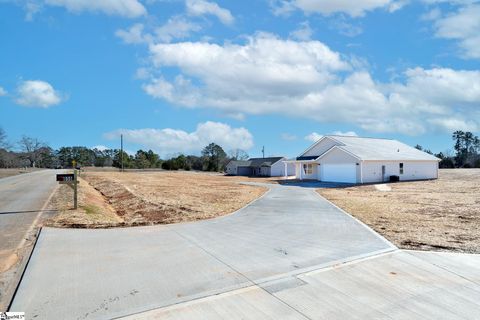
{"x":398,"y":150}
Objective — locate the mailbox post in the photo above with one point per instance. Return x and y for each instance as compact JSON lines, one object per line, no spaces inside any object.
{"x":71,"y":180}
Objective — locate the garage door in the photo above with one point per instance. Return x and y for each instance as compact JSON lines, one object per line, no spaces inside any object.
{"x":340,"y":173}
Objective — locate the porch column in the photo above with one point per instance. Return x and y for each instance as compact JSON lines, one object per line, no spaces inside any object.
{"x":301,"y":171}
{"x":286,"y":170}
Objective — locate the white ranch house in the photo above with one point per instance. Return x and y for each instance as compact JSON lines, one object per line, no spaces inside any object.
{"x":363,"y":160}
{"x":262,"y":167}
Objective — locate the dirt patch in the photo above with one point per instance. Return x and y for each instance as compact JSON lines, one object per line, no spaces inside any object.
{"x":442,"y":214}
{"x":93,"y":211}
{"x":143,"y":198}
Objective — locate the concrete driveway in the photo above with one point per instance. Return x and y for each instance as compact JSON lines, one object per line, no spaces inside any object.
{"x":283,"y":256}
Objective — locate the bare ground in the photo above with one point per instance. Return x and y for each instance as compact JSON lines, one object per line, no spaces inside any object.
{"x":442,"y":214}
{"x":111,"y":199}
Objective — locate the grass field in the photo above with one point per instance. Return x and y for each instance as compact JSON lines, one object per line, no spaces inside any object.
{"x":109,"y":199}
{"x":14,"y":171}
{"x":441,"y":214}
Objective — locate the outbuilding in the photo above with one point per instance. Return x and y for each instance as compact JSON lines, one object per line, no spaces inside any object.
{"x":350,"y":159}
{"x":262,"y":167}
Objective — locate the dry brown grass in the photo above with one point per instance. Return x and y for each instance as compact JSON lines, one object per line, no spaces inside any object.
{"x":15,"y":171}
{"x":442,"y":214}
{"x":93,"y":211}
{"x":139,"y":198}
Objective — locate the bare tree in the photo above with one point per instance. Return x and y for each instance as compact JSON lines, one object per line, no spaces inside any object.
{"x":238,"y":154}
{"x":32,"y":149}
{"x":3,"y":140}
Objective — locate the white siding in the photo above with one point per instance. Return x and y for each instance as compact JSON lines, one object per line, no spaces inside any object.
{"x":277,"y":169}
{"x":337,"y":156}
{"x":231,"y":169}
{"x":412,"y":170}
{"x":320,"y":148}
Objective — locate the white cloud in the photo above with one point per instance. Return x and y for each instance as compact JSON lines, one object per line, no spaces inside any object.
{"x":346,"y":133}
{"x":37,"y":93}
{"x":303,"y":33}
{"x":463,"y":26}
{"x":202,"y":7}
{"x":3,"y":92}
{"x":100,"y":148}
{"x":269,"y":75}
{"x":125,"y":8}
{"x":345,"y":28}
{"x":176,"y":28}
{"x":169,"y":141}
{"x":313,"y":137}
{"x":355,"y":8}
{"x":133,"y":35}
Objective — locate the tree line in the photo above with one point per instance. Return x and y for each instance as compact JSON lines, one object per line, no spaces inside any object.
{"x":35,"y":153}
{"x":32,"y":152}
{"x":467,"y":151}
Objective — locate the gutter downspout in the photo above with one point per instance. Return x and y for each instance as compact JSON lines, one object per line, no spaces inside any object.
{"x":361,"y":171}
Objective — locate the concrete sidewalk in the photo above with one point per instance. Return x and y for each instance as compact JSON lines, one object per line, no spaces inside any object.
{"x":101,"y":274}
{"x":395,"y":285}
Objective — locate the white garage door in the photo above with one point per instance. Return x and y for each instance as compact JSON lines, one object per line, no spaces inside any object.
{"x":340,"y":173}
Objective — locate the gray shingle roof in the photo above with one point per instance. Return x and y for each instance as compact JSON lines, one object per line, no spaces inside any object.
{"x":258,"y":162}
{"x":381,"y":149}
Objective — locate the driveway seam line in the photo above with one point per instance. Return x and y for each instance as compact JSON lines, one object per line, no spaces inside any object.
{"x":240,"y":273}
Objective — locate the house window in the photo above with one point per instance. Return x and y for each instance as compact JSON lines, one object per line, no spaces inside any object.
{"x":308,"y":168}
{"x":401,"y":167}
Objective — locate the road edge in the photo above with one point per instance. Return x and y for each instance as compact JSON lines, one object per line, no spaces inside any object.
{"x":11,"y":290}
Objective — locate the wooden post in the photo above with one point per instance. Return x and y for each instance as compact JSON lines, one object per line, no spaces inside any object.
{"x":75,"y":183}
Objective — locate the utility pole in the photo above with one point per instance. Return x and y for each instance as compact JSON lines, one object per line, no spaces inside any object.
{"x":263,"y":151}
{"x":121,"y":150}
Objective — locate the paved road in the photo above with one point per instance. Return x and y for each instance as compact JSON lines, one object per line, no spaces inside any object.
{"x":21,"y":199}
{"x":101,"y":274}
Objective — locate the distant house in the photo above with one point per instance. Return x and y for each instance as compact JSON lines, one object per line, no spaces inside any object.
{"x":363,"y":160}
{"x":264,"y":167}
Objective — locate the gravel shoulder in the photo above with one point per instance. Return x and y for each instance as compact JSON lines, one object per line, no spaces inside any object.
{"x":442,"y":214}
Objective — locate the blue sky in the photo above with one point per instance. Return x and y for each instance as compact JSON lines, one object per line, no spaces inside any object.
{"x":174,"y":75}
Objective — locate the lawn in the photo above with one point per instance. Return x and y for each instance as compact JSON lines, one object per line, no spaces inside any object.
{"x":442,"y":214}
{"x":109,"y":199}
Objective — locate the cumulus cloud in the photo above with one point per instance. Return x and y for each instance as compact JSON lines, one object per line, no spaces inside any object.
{"x":169,"y":141}
{"x":356,"y":8}
{"x":346,"y":133}
{"x":313,"y":137}
{"x":463,"y":26}
{"x":176,"y":28}
{"x":37,"y":93}
{"x":3,"y":92}
{"x":303,"y":33}
{"x":267,"y":75}
{"x":133,"y":35}
{"x":100,"y":148}
{"x":125,"y":8}
{"x":202,"y":7}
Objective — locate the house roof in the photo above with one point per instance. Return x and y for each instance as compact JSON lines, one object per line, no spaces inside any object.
{"x":256,"y":162}
{"x":262,"y":162}
{"x":379,"y":149}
